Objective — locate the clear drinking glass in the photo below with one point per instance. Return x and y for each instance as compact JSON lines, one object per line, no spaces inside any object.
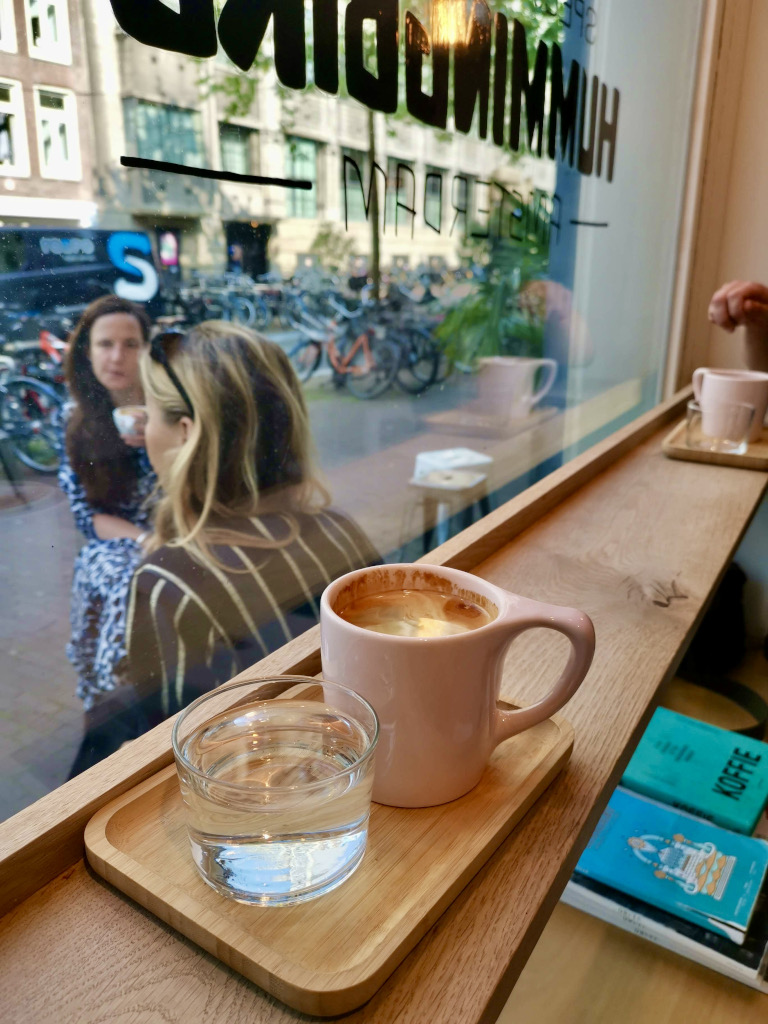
{"x":725,"y":427}
{"x":276,"y":777}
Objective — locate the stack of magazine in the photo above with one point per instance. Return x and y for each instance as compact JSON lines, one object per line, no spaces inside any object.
{"x":674,"y":877}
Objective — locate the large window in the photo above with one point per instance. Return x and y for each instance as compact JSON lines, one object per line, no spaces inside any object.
{"x":48,"y":30}
{"x":522,"y":307}
{"x":237,"y":148}
{"x":14,"y":153}
{"x":57,"y":135}
{"x":301,"y":164}
{"x":7,"y":27}
{"x":162,"y":132}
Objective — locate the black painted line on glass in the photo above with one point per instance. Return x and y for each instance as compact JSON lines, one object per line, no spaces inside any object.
{"x":591,"y":223}
{"x":204,"y":172}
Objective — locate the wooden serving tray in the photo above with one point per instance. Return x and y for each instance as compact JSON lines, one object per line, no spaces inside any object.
{"x":755,"y":457}
{"x":330,"y":955}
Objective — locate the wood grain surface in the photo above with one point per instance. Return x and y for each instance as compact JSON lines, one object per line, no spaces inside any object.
{"x":330,"y":955}
{"x":610,"y":537}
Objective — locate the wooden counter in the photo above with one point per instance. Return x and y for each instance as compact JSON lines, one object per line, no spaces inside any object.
{"x":609,"y":532}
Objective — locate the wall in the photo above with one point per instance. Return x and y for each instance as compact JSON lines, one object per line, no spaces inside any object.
{"x":744,"y":254}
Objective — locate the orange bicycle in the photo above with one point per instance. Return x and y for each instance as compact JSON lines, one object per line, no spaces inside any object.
{"x":361,"y":357}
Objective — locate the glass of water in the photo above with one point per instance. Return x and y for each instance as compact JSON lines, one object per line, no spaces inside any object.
{"x":276,"y":777}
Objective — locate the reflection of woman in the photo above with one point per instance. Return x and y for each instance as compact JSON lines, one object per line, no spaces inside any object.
{"x":243,"y":545}
{"x":107,"y":481}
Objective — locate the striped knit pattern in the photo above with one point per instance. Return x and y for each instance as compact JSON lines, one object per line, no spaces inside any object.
{"x":192,"y":627}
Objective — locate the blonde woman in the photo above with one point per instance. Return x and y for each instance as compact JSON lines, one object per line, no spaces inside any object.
{"x":243,"y":543}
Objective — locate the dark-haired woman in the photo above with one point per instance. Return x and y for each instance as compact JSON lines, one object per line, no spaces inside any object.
{"x":108,"y":481}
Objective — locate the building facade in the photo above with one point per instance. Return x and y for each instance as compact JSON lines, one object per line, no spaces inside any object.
{"x":156,"y":105}
{"x":46,"y":140}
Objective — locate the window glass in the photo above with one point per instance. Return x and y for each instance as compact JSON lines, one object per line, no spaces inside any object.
{"x":446,"y":339}
{"x":236,"y":148}
{"x":48,"y":30}
{"x":14,"y":156}
{"x":57,"y":134}
{"x":7,"y":27}
{"x":301,"y":164}
{"x":160,"y":131}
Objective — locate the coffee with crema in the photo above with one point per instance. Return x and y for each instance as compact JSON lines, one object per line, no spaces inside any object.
{"x":419,"y":613}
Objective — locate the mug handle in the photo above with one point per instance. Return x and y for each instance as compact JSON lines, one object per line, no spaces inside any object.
{"x":575,"y":625}
{"x":550,"y":372}
{"x":698,"y":376}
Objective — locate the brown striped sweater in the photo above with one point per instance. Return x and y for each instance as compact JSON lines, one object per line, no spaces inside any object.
{"x":192,"y":627}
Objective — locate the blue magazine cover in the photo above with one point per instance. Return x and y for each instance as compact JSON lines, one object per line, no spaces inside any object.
{"x":690,"y":867}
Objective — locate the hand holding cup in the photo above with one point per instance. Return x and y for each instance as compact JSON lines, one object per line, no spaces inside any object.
{"x":131,"y":421}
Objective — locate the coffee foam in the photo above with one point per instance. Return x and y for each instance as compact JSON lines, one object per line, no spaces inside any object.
{"x":416,"y":613}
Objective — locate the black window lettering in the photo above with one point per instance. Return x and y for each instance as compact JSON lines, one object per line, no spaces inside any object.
{"x":534,"y":90}
{"x":607,"y":131}
{"x":428,"y":109}
{"x":472,"y":71}
{"x":191,"y":31}
{"x":378,"y":92}
{"x":325,"y":31}
{"x":500,"y":80}
{"x":242,"y":25}
{"x":401,"y":205}
{"x":459,"y":204}
{"x":563,"y":107}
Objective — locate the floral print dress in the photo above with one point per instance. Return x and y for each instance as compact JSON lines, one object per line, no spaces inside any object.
{"x":101,"y":583}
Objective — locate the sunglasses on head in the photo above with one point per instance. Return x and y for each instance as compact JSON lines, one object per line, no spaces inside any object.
{"x":158,"y":347}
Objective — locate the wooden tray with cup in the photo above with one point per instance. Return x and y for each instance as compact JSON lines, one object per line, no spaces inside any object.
{"x":755,"y":457}
{"x":330,"y":955}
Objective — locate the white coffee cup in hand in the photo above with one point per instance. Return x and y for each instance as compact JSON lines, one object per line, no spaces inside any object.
{"x":130,"y":421}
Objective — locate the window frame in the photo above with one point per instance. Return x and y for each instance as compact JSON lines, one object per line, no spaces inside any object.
{"x":132,"y":106}
{"x":21,"y":167}
{"x":248,"y":135}
{"x":299,"y":201}
{"x":61,"y":51}
{"x":9,"y":42}
{"x":74,"y":169}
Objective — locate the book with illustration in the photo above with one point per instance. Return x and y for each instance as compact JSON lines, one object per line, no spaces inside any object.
{"x":699,"y":768}
{"x":682,"y":864}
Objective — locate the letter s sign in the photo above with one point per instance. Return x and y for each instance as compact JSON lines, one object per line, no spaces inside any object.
{"x":136,"y":291}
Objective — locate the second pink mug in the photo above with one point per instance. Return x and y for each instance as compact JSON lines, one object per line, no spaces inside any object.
{"x":436,"y":696}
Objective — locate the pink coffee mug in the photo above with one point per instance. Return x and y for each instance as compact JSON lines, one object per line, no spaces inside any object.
{"x":436,"y":697}
{"x":714,"y":390}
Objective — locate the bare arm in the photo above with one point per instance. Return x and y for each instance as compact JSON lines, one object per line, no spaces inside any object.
{"x":109,"y":527}
{"x":744,"y":304}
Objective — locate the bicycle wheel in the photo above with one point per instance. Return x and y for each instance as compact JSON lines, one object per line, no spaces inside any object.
{"x":418,"y":362}
{"x":262,"y":313}
{"x":242,"y":310}
{"x":29,"y":414}
{"x":369,"y":377}
{"x":305,"y":358}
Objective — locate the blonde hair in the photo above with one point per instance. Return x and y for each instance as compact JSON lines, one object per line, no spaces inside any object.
{"x":249,"y":446}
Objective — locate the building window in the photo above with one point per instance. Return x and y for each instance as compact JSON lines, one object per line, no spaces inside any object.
{"x":237,"y":148}
{"x":48,"y":30}
{"x":162,"y":132}
{"x":7,"y":27}
{"x":57,"y":136}
{"x":301,"y":163}
{"x":14,"y":152}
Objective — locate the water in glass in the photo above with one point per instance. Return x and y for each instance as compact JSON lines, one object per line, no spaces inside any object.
{"x":278,"y":809}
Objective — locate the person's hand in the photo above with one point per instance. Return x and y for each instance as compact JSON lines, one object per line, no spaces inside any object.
{"x":740,"y":303}
{"x":136,"y":439}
